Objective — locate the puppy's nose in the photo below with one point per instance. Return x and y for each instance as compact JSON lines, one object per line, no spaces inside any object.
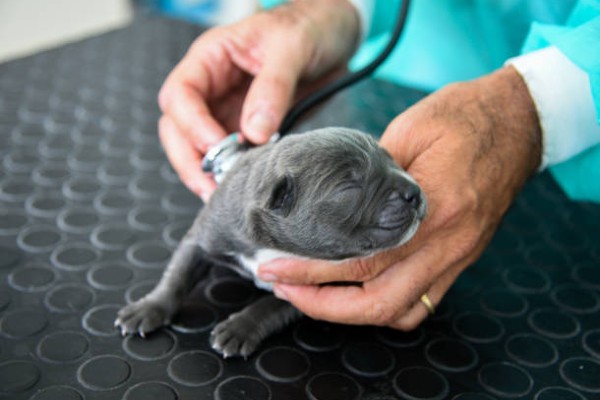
{"x":409,"y":194}
{"x":400,"y":205}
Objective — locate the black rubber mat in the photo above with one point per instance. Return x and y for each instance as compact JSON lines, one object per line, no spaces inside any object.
{"x":90,"y":211}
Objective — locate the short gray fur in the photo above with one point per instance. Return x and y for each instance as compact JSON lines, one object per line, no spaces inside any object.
{"x":331,"y":194}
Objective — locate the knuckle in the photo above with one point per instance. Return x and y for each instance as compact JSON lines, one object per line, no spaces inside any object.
{"x":163,"y":98}
{"x":457,"y":205}
{"x":300,"y":275}
{"x":470,"y":199}
{"x":302,"y":39}
{"x":199,"y":42}
{"x":406,"y":325}
{"x":381,"y":313}
{"x":470,"y":238}
{"x":362,"y":270}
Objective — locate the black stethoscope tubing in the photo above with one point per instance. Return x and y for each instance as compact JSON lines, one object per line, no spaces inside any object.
{"x":327,"y":91}
{"x":220,"y":158}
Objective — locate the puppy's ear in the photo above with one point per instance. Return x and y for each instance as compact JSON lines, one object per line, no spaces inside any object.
{"x":283,"y":196}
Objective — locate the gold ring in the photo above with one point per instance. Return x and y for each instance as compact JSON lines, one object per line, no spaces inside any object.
{"x":427,"y":302}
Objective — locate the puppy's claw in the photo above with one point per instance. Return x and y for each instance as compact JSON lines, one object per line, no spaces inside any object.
{"x":234,"y":337}
{"x":142,"y":317}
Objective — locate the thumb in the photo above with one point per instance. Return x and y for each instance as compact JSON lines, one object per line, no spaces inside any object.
{"x":268,"y":99}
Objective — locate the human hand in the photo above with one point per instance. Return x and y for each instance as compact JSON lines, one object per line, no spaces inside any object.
{"x":243,"y":77}
{"x":471,"y":146}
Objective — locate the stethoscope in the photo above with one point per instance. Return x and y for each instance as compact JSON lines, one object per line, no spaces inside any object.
{"x":219,"y":159}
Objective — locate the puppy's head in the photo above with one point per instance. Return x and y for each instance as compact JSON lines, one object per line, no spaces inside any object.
{"x":332,"y":194}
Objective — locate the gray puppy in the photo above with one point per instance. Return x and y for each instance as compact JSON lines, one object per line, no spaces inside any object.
{"x":329,"y":194}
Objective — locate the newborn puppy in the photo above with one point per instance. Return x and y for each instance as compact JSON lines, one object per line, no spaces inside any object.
{"x":329,"y":194}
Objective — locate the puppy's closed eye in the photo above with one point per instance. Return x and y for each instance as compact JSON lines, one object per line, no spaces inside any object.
{"x":283,"y":196}
{"x":353,"y":187}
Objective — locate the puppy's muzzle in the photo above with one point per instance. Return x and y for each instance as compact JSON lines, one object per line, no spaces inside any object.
{"x":403,"y":206}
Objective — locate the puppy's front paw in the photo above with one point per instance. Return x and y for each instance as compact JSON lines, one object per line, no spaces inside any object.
{"x":236,"y":336}
{"x":143,"y":316}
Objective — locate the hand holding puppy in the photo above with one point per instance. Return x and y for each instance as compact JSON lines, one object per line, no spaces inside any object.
{"x":471,"y":146}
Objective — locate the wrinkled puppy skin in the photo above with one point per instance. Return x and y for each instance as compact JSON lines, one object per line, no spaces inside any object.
{"x":331,"y":193}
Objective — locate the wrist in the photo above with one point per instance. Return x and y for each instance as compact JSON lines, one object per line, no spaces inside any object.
{"x":507,"y":106}
{"x":333,"y":26}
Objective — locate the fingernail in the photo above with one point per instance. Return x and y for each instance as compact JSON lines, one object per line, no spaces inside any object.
{"x":205,"y":197}
{"x":197,"y":188}
{"x":260,"y":125}
{"x":267,"y":277}
{"x":280,"y":294}
{"x":211,"y":140}
{"x":201,"y":190}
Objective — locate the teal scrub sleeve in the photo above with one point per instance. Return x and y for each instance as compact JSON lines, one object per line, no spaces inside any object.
{"x":579,"y":40}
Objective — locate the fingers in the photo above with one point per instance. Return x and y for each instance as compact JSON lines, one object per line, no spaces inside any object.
{"x":187,"y":90}
{"x":330,"y":303}
{"x":186,"y":107}
{"x":371,"y":304}
{"x":204,"y":93}
{"x":403,"y":137}
{"x":419,"y":311}
{"x":269,"y":97}
{"x":381,"y":301}
{"x":187,"y":128}
{"x":185,"y":158}
{"x":313,"y":272}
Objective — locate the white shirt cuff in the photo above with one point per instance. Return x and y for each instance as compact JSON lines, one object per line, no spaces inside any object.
{"x":562,"y":95}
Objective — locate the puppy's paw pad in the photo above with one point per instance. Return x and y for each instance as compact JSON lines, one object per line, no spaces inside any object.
{"x":235,"y":337}
{"x":141,"y":317}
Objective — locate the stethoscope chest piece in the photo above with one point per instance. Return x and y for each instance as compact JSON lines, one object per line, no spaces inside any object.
{"x":221,"y":158}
